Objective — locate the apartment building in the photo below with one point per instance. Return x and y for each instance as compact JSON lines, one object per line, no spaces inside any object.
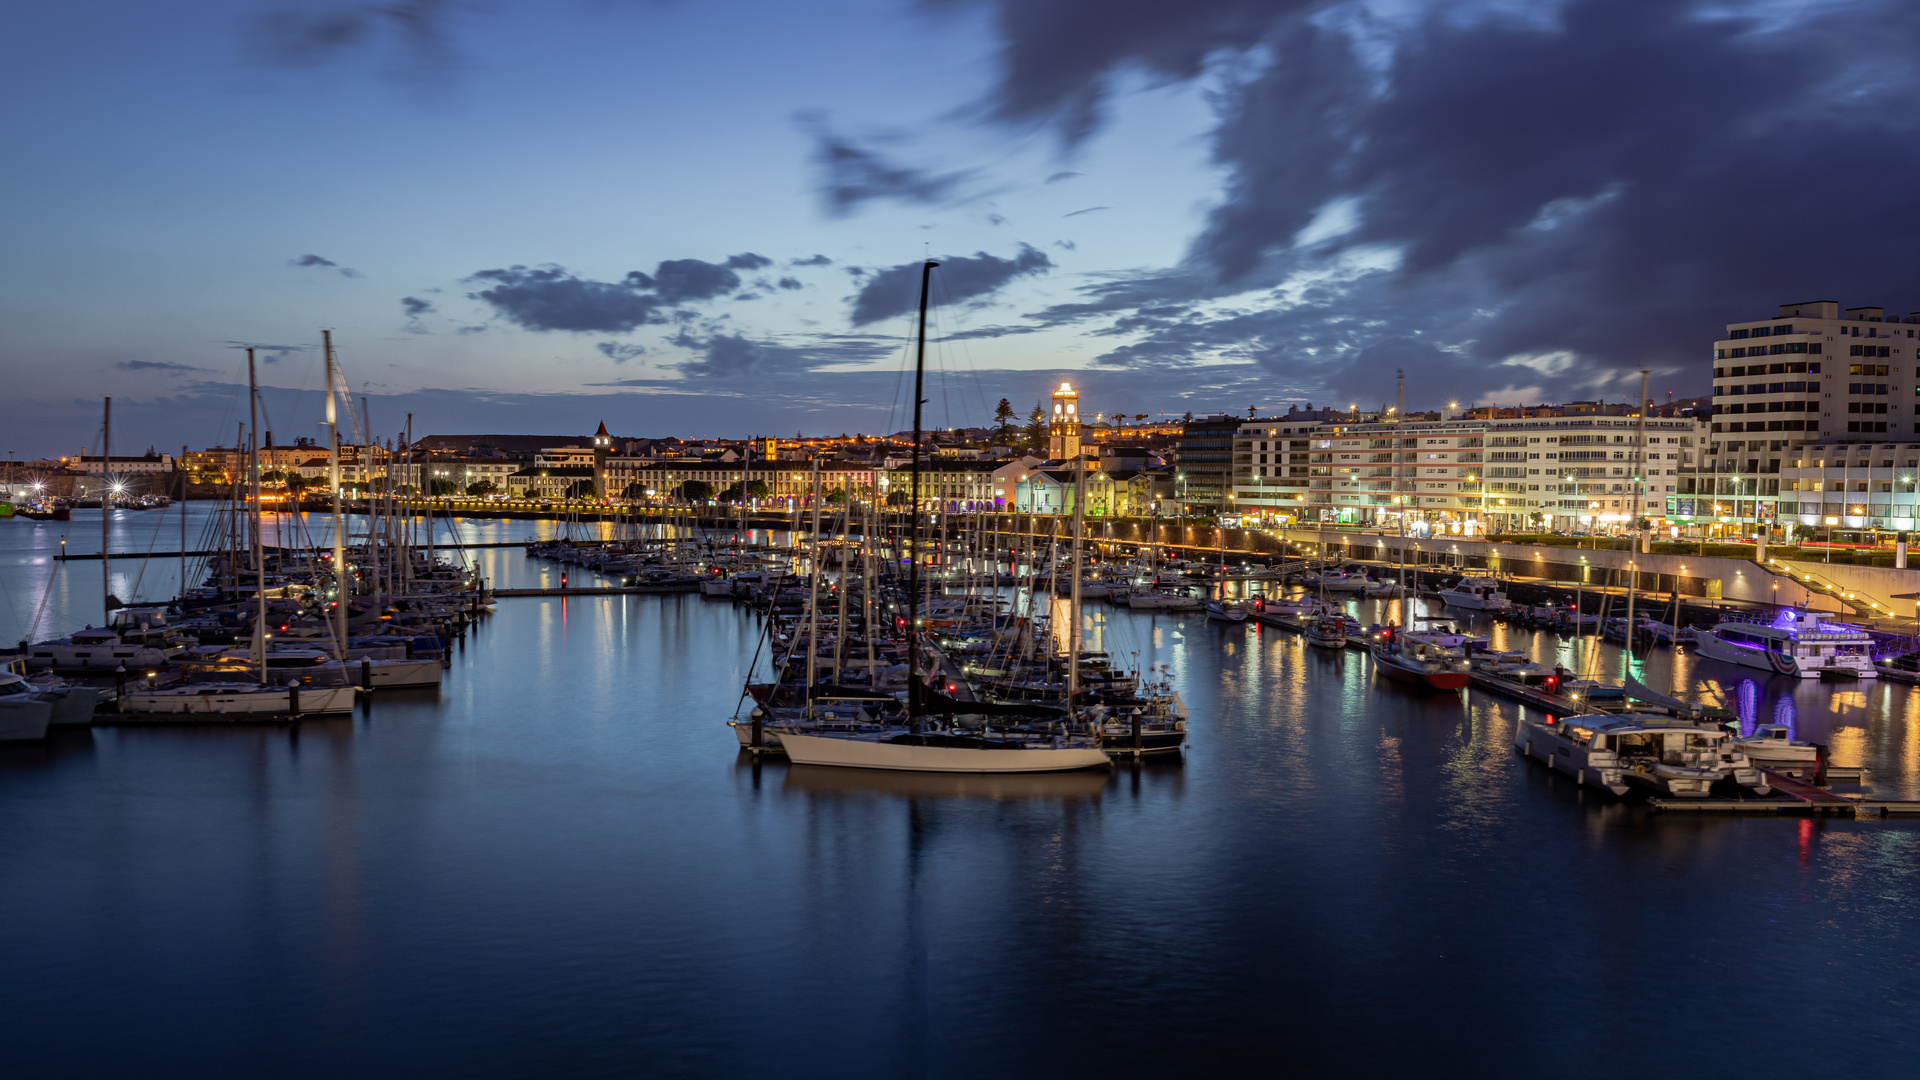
{"x":1544,"y":470}
{"x":1846,"y":485}
{"x":1808,"y":385}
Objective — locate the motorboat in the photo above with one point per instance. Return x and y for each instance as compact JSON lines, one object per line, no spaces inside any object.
{"x":1347,"y":581}
{"x":236,"y":699}
{"x":1156,"y":724}
{"x":1163,"y":600}
{"x":24,"y":713}
{"x":73,"y":704}
{"x":1327,"y":632}
{"x":1426,"y":658}
{"x":1773,"y":746}
{"x":1795,"y":642}
{"x":1226,"y":610}
{"x":1515,"y":666}
{"x":1664,"y":754}
{"x":1476,"y":594}
{"x":97,"y":650}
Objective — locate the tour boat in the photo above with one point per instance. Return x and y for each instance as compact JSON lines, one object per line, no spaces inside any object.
{"x":1794,"y":642}
{"x":1667,"y":755}
{"x":1423,"y":658}
{"x":1476,"y":594}
{"x":24,"y":714}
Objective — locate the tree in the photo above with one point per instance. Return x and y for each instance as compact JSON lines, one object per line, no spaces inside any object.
{"x":695,"y":490}
{"x":1003,"y":416}
{"x":896,"y":498}
{"x":836,"y":496}
{"x":582,"y":489}
{"x":481,"y":488}
{"x":756,"y":489}
{"x":1037,"y":424}
{"x":438,"y":488}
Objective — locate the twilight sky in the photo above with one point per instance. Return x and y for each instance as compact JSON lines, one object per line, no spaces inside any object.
{"x":703,"y":217}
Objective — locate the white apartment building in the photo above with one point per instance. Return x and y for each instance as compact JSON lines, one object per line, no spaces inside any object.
{"x":1470,"y":474}
{"x":1830,"y":381}
{"x":1842,"y":485}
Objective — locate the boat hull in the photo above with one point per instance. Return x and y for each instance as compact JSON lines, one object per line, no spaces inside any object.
{"x":1400,"y":672}
{"x":24,"y":719}
{"x":882,"y":752}
{"x":229,"y":702}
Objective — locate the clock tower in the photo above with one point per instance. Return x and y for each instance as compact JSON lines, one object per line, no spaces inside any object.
{"x":1063,"y":430}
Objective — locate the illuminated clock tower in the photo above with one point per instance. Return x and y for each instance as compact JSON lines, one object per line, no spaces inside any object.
{"x":1063,"y":432}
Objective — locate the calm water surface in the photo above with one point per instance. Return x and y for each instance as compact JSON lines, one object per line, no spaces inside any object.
{"x":557,"y":865}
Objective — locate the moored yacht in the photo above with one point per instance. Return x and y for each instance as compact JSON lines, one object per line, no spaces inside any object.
{"x":1664,"y":754}
{"x":97,"y":650}
{"x":24,"y":714}
{"x":1429,"y":658}
{"x":1476,"y":594}
{"x":1795,"y":642}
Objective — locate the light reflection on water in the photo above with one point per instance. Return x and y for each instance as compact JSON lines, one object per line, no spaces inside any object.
{"x":558,"y":864}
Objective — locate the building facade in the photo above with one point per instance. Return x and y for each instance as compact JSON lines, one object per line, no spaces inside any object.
{"x":1503,"y":474}
{"x":1805,"y":386}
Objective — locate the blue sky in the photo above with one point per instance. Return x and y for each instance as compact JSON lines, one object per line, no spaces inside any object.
{"x":1214,"y":204}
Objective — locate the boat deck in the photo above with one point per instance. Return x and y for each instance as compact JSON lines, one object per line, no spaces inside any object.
{"x":1795,"y":797}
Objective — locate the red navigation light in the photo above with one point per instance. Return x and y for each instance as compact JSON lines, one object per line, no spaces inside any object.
{"x":1550,"y":720}
{"x":1553,"y":682}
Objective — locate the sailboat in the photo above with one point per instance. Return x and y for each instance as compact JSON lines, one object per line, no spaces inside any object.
{"x":926,"y":743}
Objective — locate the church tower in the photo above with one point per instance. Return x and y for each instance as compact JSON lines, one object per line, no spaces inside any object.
{"x":1063,"y":431}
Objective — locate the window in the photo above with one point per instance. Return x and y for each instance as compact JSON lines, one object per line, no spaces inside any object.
{"x":1757,"y":388}
{"x":1737,"y":371}
{"x":1784,"y":329}
{"x":1854,"y":350}
{"x":1736,"y":335}
{"x":1777,"y":349}
{"x":1814,"y":369}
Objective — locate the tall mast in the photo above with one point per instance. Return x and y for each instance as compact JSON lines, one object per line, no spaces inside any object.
{"x":183,"y":525}
{"x":339,"y":526}
{"x":913,"y":499}
{"x":1073,"y":609}
{"x":813,"y":590}
{"x":106,"y":507}
{"x":253,"y":490}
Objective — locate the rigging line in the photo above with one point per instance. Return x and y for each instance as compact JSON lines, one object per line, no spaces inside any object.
{"x":134,"y":592}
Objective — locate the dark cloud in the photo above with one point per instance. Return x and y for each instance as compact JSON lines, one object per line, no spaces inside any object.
{"x":816,"y":260}
{"x":318,"y":261}
{"x":1058,"y":57}
{"x":553,"y":298}
{"x":1507,"y":198}
{"x":1059,"y":176}
{"x":680,"y":280}
{"x":1088,"y":210}
{"x":155,"y":365}
{"x":621,"y":352}
{"x":734,"y":356}
{"x":414,"y":306}
{"x":896,"y":289}
{"x":789,"y":283}
{"x":851,"y":175}
{"x":312,"y":34}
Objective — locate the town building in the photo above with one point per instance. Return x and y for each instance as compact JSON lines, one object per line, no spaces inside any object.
{"x":1800,"y":387}
{"x":1063,"y":427}
{"x":1203,"y":463}
{"x":1544,"y":470}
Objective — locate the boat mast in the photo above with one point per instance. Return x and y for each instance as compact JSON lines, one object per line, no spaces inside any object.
{"x":913,"y":499}
{"x":339,"y":527}
{"x":1073,"y":608}
{"x":813,"y":590}
{"x":253,"y":490}
{"x":106,"y":505}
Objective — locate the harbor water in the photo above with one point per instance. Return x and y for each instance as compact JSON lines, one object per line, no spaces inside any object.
{"x":559,"y":864}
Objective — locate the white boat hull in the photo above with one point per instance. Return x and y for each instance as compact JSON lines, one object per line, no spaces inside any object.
{"x":878,"y":752}
{"x":231,"y":701}
{"x":24,"y":720}
{"x":1158,"y":602}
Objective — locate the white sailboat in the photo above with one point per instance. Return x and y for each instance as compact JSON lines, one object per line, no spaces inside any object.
{"x":924,"y":744}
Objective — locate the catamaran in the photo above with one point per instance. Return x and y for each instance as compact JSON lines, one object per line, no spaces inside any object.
{"x":1794,"y":642}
